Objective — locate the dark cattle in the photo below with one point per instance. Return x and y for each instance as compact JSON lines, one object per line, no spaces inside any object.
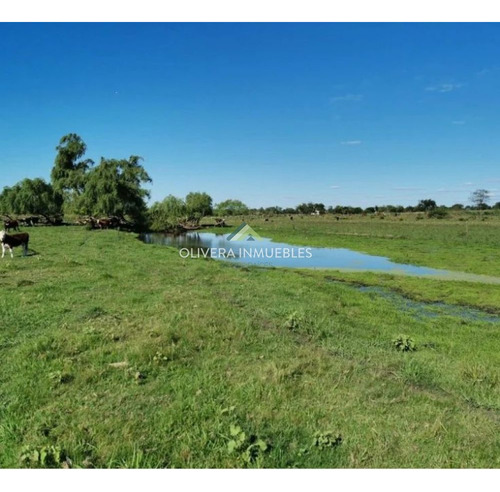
{"x":104,"y":223}
{"x":114,"y":222}
{"x":89,"y":222}
{"x":30,"y":221}
{"x":11,"y":224}
{"x":13,"y":240}
{"x":110,"y":223}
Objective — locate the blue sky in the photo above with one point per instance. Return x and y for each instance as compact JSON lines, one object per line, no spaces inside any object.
{"x":272,"y":114}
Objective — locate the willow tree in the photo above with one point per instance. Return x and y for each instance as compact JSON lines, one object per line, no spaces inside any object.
{"x":31,"y":196}
{"x":70,"y":170}
{"x":167,"y":213}
{"x":198,"y":204}
{"x":115,"y":188}
{"x":231,"y":207}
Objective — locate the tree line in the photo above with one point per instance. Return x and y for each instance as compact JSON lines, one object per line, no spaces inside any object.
{"x":479,"y":200}
{"x":115,"y":187}
{"x":111,"y":188}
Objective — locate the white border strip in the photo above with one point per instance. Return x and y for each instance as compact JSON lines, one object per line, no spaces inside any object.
{"x":250,"y":11}
{"x":250,"y":480}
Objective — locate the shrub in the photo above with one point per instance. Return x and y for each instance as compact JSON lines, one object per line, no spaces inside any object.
{"x":404,"y":343}
{"x":293,"y":321}
{"x":251,"y":448}
{"x":325,"y":440}
{"x":437,"y":213}
{"x":43,"y":457}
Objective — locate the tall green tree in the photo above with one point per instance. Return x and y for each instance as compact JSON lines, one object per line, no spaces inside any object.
{"x":231,"y":207}
{"x":114,"y":187}
{"x":7,"y":200}
{"x":198,"y":204}
{"x":31,"y":196}
{"x":167,"y":213}
{"x":69,"y":172}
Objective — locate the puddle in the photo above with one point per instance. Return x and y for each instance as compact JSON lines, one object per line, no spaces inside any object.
{"x":425,"y":310}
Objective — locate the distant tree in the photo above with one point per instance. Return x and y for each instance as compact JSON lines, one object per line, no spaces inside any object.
{"x":339,"y":209}
{"x":31,"y":196}
{"x":437,"y":213}
{"x":457,"y":206}
{"x":167,"y":213}
{"x":273,"y":210}
{"x":114,"y":187}
{"x":496,"y":206}
{"x":305,"y":208}
{"x":426,"y":205}
{"x":480,"y":199}
{"x":174,"y":207}
{"x":231,"y":207}
{"x":68,"y":174}
{"x":320,"y":207}
{"x":310,"y":208}
{"x":198,"y":204}
{"x":370,"y":210}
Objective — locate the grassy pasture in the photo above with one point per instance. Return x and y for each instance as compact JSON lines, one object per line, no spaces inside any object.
{"x":467,"y":242}
{"x":119,"y":354}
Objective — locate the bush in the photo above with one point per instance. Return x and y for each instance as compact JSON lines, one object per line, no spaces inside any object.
{"x":293,"y":321}
{"x":404,"y":343}
{"x":324,"y":440}
{"x":43,"y":457}
{"x":437,"y":213}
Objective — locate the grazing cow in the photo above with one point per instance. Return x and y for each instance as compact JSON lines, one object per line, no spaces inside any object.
{"x":29,"y":221}
{"x":88,"y":221}
{"x":12,"y":240}
{"x":114,"y":222}
{"x":104,"y":223}
{"x":11,"y":224}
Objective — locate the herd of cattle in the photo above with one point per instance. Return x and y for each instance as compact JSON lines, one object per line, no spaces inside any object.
{"x":105,"y":223}
{"x":15,"y":223}
{"x":10,"y":241}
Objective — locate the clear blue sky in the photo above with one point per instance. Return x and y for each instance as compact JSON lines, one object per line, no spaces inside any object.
{"x":272,"y":114}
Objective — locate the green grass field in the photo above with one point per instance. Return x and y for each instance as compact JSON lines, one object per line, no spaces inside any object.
{"x":115,"y":353}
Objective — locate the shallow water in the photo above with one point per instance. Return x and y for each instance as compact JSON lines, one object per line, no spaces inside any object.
{"x":267,"y":253}
{"x":422,"y":310}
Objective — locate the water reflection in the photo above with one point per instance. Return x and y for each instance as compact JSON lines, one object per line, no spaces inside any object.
{"x":270,"y":254}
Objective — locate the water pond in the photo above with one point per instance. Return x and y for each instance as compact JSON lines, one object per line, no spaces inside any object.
{"x":267,"y":253}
